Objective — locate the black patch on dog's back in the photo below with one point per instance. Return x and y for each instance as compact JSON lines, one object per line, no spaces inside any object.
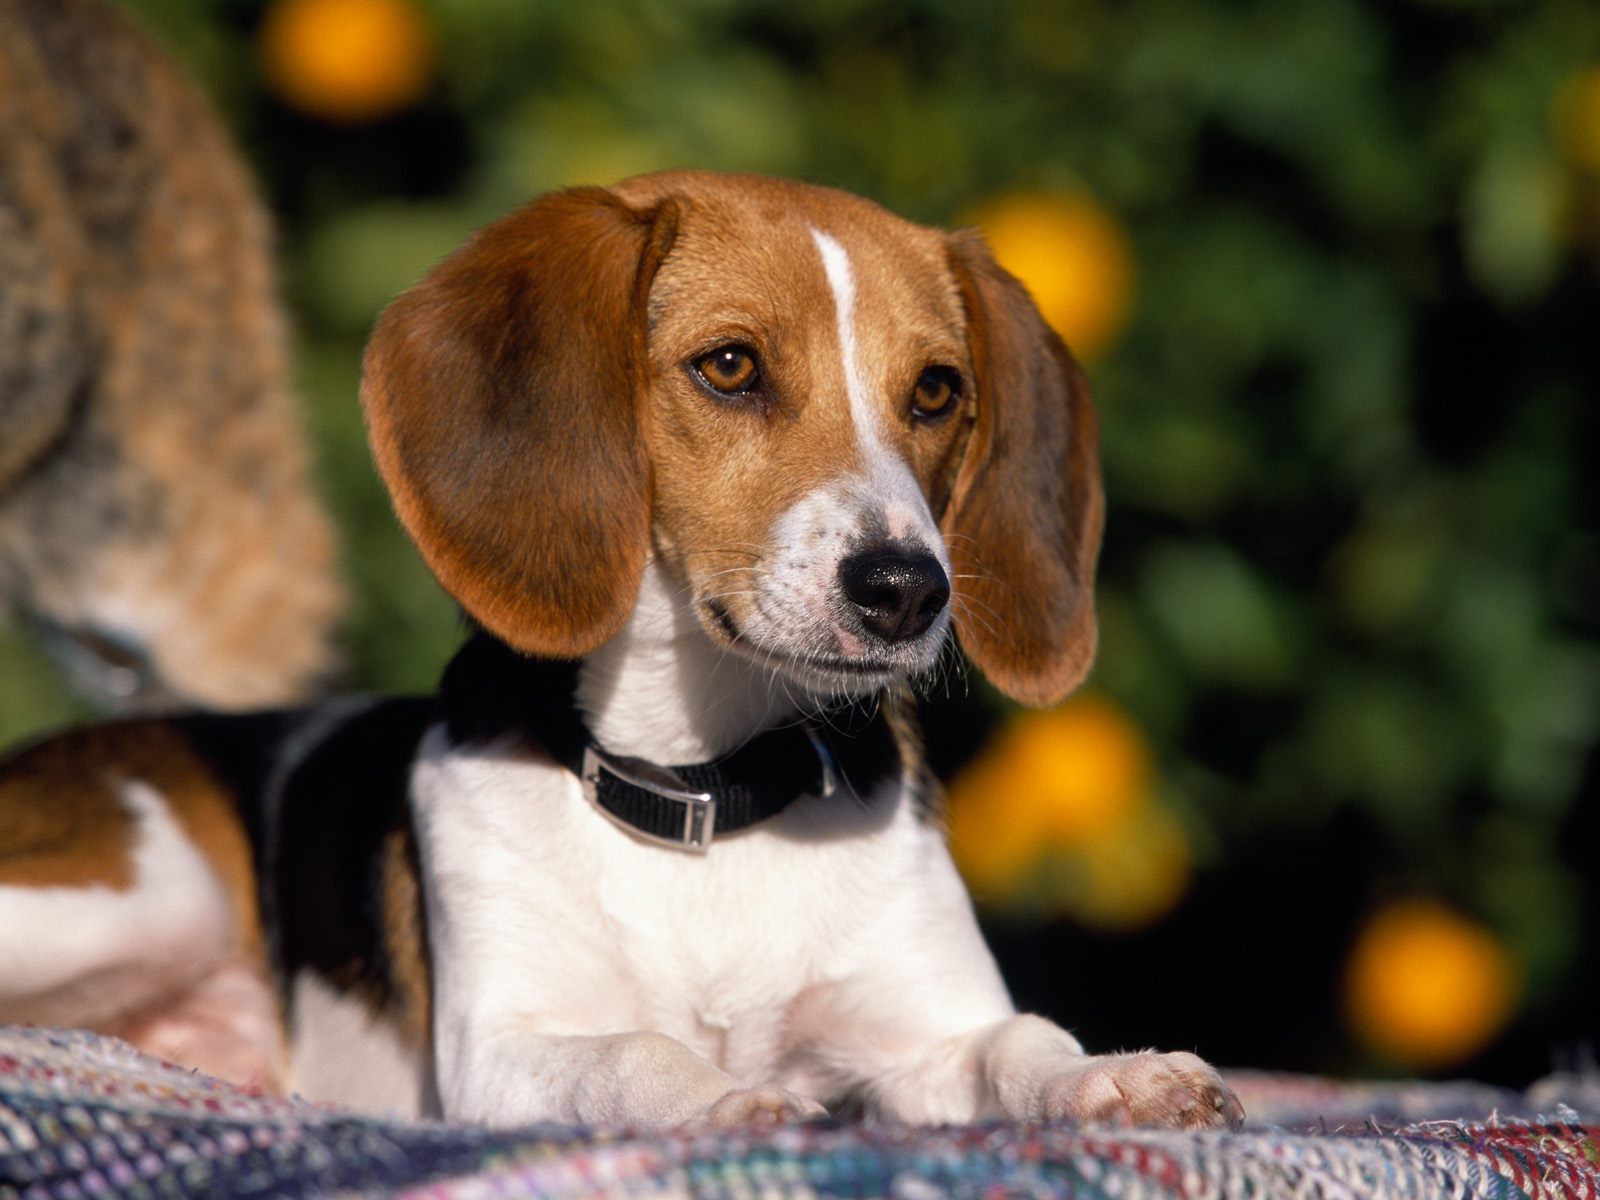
{"x":320,"y":790}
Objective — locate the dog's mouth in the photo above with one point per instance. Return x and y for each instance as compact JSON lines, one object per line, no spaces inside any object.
{"x":829,"y":669}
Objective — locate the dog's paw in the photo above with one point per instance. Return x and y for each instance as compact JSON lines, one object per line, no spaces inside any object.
{"x":1170,"y":1091}
{"x":766,"y":1105}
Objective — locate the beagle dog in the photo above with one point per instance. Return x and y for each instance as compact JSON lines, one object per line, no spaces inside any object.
{"x":716,"y":465}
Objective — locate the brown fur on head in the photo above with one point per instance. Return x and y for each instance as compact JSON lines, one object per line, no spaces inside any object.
{"x":534,"y":411}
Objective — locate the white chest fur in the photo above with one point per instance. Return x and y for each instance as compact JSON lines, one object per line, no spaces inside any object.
{"x":573,"y":962}
{"x":548,"y":908}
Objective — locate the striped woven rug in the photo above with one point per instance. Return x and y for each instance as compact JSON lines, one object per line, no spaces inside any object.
{"x":83,"y":1116}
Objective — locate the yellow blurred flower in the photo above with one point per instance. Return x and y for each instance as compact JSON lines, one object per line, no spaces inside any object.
{"x":1131,"y":875}
{"x":1058,"y":778}
{"x":1074,"y":257}
{"x":1575,"y":119}
{"x":996,"y":834}
{"x":347,"y":60}
{"x":1426,"y":986}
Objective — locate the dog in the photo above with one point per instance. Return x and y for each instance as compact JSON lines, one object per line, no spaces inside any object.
{"x":715,"y":464}
{"x":158,"y":527}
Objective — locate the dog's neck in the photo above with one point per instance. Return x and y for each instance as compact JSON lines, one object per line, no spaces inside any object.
{"x":662,"y":690}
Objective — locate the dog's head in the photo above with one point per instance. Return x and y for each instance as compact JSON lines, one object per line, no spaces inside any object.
{"x":839,"y":431}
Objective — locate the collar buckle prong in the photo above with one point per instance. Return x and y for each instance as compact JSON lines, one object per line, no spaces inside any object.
{"x":830,"y":764}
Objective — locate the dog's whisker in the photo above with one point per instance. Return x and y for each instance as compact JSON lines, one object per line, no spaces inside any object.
{"x":985,"y":621}
{"x":752,"y":550}
{"x":727,"y":571}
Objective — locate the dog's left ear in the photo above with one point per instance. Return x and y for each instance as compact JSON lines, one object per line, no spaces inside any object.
{"x":1026,"y":509}
{"x":504,"y":397}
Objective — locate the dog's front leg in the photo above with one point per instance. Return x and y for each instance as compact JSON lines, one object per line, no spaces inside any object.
{"x":924,"y":1032}
{"x":1028,"y":1069}
{"x":1033,"y":1070}
{"x":516,"y":1075}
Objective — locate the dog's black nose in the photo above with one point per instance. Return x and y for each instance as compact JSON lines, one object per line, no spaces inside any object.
{"x":898,"y":594}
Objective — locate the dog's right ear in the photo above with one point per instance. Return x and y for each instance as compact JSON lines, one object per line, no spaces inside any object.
{"x":504,"y":401}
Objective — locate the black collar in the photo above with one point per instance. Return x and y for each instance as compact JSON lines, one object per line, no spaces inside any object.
{"x":490,"y":691}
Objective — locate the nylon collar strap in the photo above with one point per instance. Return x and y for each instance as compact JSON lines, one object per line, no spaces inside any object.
{"x":489,"y":690}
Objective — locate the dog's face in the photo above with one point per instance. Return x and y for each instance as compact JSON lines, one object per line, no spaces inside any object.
{"x":838,"y":430}
{"x":807,"y":377}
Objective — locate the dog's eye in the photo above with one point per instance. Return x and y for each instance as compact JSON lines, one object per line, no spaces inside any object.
{"x":730,"y":370}
{"x":936,"y":393}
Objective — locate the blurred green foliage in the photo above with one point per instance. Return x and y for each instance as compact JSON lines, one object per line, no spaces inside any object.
{"x":1352,"y":561}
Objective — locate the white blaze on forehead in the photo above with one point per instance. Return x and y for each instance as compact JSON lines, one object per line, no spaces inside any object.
{"x":842,"y":280}
{"x":902,"y":505}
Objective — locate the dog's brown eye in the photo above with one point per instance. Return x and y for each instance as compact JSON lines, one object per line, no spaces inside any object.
{"x":730,"y":370}
{"x":936,"y":393}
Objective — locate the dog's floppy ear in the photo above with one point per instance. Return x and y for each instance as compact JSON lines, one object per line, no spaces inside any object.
{"x":504,"y":401}
{"x":1025,"y":513}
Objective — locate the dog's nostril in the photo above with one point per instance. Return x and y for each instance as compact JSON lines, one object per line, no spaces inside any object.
{"x":897,"y":594}
{"x":936,"y":598}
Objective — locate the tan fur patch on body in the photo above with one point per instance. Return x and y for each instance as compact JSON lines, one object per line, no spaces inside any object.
{"x":405,"y":924}
{"x":63,"y":822}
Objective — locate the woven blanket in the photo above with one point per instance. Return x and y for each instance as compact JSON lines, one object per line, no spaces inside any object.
{"x":83,"y":1116}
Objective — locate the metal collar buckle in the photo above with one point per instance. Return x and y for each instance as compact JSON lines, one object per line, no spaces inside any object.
{"x":699,"y":808}
{"x":830,"y":765}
